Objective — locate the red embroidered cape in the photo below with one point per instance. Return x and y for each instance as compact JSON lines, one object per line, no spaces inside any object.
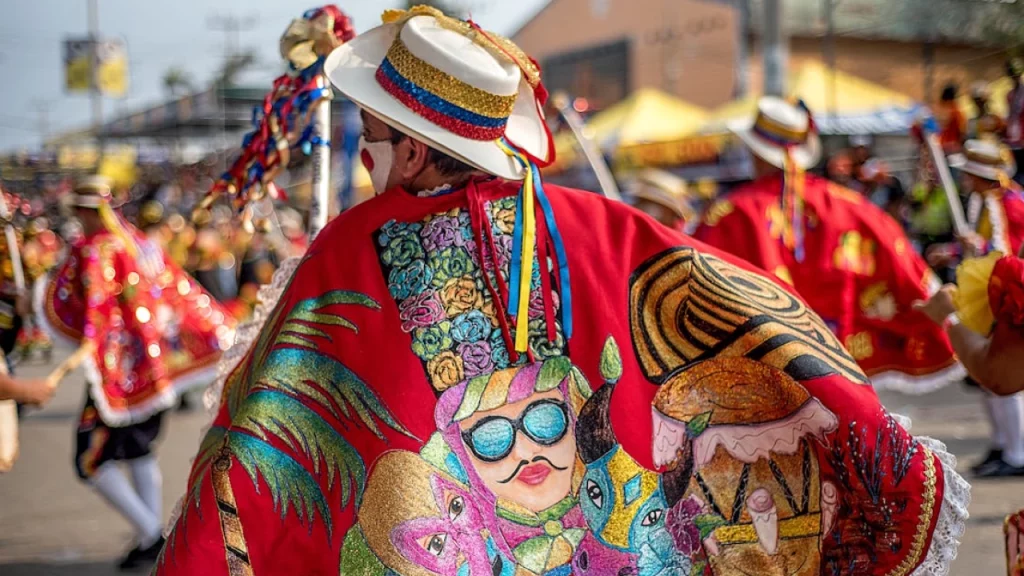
{"x":156,"y":332}
{"x":860,"y":274}
{"x":699,"y":418}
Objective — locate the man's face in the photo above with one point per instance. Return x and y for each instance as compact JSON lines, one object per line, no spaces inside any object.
{"x":525,"y":451}
{"x":90,"y":219}
{"x":374,"y":131}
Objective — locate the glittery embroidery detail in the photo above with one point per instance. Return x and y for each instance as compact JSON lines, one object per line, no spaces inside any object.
{"x":924,"y":520}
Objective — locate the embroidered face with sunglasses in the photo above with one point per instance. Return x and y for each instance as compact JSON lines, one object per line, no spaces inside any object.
{"x":524,"y":451}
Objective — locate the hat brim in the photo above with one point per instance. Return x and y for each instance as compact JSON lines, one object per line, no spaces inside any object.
{"x":352,"y":68}
{"x":961,"y":163}
{"x":806,"y":155}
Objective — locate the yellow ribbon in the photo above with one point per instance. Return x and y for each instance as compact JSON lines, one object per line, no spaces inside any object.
{"x":526,"y":256}
{"x":113,"y":225}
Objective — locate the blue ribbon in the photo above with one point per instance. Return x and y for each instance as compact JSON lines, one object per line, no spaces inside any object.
{"x":564,"y":290}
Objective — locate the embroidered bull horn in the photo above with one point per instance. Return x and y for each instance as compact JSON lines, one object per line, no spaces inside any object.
{"x":594,"y":434}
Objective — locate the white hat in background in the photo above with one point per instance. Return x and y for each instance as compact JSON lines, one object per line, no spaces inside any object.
{"x":985,"y":159}
{"x":780,"y":126}
{"x":663,"y":188}
{"x":454,"y":87}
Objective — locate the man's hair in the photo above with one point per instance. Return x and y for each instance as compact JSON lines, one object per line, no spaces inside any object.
{"x":445,"y":164}
{"x":949,"y":92}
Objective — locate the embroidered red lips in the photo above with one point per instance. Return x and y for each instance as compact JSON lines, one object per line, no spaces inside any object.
{"x":534,"y":474}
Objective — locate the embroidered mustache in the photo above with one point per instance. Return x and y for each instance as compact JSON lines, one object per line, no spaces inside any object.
{"x":525,"y":463}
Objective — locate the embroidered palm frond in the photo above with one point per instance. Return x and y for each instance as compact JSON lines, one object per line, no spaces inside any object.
{"x":290,"y":484}
{"x":301,"y":325}
{"x":211,"y":444}
{"x":271,"y":412}
{"x":310,"y":375}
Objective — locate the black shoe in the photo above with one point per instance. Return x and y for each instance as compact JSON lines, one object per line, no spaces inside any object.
{"x":142,"y":557}
{"x":1000,"y":469}
{"x":994,"y":455}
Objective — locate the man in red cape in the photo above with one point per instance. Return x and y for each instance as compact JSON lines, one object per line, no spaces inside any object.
{"x":849,"y":260}
{"x":504,"y":378}
{"x":154,"y":333}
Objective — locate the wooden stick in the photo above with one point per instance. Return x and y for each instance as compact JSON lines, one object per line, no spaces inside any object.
{"x":69,"y":364}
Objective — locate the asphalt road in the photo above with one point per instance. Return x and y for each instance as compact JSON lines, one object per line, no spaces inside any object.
{"x":51,"y":524}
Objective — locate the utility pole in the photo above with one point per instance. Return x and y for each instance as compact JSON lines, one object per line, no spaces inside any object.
{"x":830,"y":55}
{"x":95,"y":95}
{"x":232,"y":26}
{"x":776,"y":51}
{"x":742,"y":79}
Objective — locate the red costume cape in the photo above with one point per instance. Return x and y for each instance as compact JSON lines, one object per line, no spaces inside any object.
{"x":860,"y":274}
{"x":380,"y":425}
{"x":156,"y":332}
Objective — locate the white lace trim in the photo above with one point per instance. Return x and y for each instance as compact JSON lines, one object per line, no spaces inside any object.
{"x":907,"y":384}
{"x":956,"y":498}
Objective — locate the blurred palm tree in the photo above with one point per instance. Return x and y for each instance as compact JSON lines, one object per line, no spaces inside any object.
{"x":178,"y":82}
{"x":233,"y":68}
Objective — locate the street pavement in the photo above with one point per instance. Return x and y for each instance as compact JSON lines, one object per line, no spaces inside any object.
{"x":52,"y":524}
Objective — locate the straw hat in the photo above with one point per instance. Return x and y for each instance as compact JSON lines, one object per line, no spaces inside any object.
{"x":91,"y":192}
{"x":662,"y":188}
{"x":780,"y":125}
{"x":454,"y":87}
{"x":985,"y":159}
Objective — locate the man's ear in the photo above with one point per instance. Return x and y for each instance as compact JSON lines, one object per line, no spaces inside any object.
{"x":411,"y":155}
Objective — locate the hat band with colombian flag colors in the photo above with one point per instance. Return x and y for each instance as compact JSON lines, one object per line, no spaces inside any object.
{"x":778,"y":133}
{"x":442,"y":98}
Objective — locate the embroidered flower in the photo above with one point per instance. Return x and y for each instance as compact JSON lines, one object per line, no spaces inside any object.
{"x":393,"y":230}
{"x":452,"y":262}
{"x":472,"y":326}
{"x":420,"y":311}
{"x":681,"y":524}
{"x":440,"y":233}
{"x":476,"y":357}
{"x":505,"y":219}
{"x":409,"y":281}
{"x":402,"y":250}
{"x":499,"y":352}
{"x":536,"y":309}
{"x":432,"y":340}
{"x":445,"y":370}
{"x":460,"y":295}
{"x":539,"y":343}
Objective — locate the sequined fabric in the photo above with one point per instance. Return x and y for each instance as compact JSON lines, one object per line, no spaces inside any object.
{"x":700,"y":420}
{"x":156,"y":332}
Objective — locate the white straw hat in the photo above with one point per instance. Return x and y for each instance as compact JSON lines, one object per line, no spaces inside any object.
{"x":91,"y":192}
{"x":454,"y":87}
{"x":985,"y":159}
{"x":780,"y":125}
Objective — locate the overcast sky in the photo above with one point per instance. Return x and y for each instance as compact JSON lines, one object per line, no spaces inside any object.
{"x":160,"y":34}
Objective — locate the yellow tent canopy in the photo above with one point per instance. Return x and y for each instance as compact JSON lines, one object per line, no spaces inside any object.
{"x":810,"y":81}
{"x":647,"y":115}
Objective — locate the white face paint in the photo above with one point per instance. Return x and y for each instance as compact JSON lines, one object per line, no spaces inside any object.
{"x":377,"y":158}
